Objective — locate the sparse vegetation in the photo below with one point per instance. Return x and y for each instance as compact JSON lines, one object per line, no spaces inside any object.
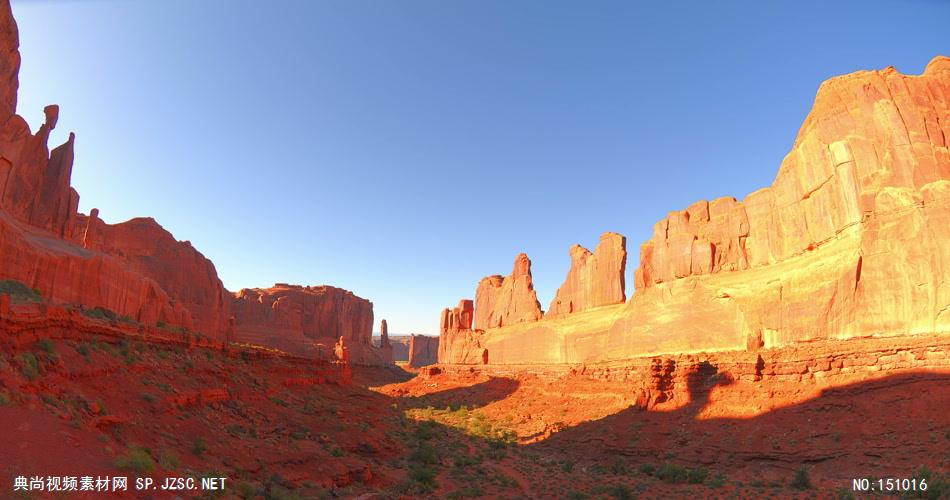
{"x":136,"y":459}
{"x":168,"y":459}
{"x":801,"y":481}
{"x":672,"y":473}
{"x":199,"y":446}
{"x":29,"y":365}
{"x":19,"y":292}
{"x":47,"y":346}
{"x":100,"y":313}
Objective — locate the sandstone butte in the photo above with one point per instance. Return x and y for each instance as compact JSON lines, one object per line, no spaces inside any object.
{"x":423,"y":350}
{"x":852,"y":239}
{"x":135,"y":268}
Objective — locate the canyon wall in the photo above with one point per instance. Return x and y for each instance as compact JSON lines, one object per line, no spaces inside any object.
{"x":307,"y":321}
{"x":850,"y":240}
{"x":136,"y":268}
{"x":423,"y":351}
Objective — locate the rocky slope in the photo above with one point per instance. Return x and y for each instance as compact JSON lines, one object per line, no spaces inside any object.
{"x":848,"y":241}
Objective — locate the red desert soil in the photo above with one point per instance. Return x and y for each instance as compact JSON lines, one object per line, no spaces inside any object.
{"x":93,"y":401}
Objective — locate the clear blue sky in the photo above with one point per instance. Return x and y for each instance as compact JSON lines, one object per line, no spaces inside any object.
{"x":405,"y":149}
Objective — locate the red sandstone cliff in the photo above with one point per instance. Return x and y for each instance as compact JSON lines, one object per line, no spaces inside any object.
{"x":504,"y":301}
{"x":306,"y":320}
{"x":850,"y":240}
{"x":135,"y":268}
{"x":595,"y":279}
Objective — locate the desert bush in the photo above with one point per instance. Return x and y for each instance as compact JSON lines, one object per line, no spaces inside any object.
{"x":697,"y":475}
{"x":938,"y":485}
{"x":19,"y":292}
{"x":647,"y":469}
{"x":618,"y":467}
{"x":4,"y":398}
{"x":801,"y":481}
{"x":99,"y":312}
{"x":47,"y":346}
{"x":716,"y":481}
{"x":168,"y":459}
{"x":136,"y":459}
{"x":424,"y":477}
{"x":29,"y":365}
{"x":199,"y":446}
{"x":672,"y":473}
{"x":424,"y":454}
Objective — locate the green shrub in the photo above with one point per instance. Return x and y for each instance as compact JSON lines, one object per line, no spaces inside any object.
{"x":567,"y":466}
{"x":618,"y":467}
{"x":47,"y":346}
{"x":717,"y":481}
{"x":801,"y":481}
{"x":672,"y":473}
{"x":19,"y":292}
{"x":4,"y":398}
{"x":337,"y":452}
{"x":424,"y":454}
{"x":199,"y":446}
{"x":83,"y":348}
{"x":29,"y":366}
{"x":423,"y":476}
{"x":697,"y":475}
{"x":169,"y":460}
{"x":647,"y":469}
{"x":136,"y":459}
{"x":100,"y":313}
{"x":938,"y":485}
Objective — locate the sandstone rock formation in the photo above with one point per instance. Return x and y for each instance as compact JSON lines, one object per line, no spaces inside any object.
{"x":595,"y":279}
{"x":423,"y":351}
{"x":135,"y":268}
{"x":305,"y":320}
{"x":504,"y":301}
{"x":385,"y":347}
{"x":850,"y":240}
{"x":457,"y":318}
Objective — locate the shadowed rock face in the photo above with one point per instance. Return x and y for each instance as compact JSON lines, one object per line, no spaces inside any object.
{"x":595,"y":279}
{"x":850,"y":240}
{"x":504,"y":301}
{"x":423,"y":350}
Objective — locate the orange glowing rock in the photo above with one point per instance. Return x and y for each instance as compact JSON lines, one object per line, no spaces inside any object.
{"x":850,"y":240}
{"x":504,"y":301}
{"x":595,"y":279}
